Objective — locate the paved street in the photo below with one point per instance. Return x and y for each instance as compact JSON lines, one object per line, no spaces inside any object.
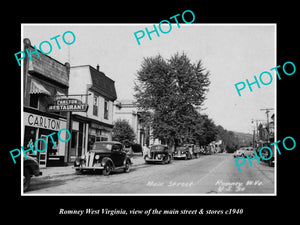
{"x":209,"y":174}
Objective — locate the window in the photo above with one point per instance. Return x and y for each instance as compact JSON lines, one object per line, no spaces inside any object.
{"x":103,"y":138}
{"x":116,"y":147}
{"x":34,"y":100}
{"x":95,"y":105}
{"x":106,"y":109}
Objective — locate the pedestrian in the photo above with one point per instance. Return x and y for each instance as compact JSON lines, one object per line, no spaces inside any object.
{"x":146,"y":151}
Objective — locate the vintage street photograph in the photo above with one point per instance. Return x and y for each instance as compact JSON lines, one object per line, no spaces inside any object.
{"x":148,"y":109}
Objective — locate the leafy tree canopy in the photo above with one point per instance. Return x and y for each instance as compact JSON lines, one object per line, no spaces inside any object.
{"x":171,"y":89}
{"x":123,"y":132}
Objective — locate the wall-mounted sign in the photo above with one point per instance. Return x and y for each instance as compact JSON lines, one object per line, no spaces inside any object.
{"x":34,"y":120}
{"x":67,"y":105}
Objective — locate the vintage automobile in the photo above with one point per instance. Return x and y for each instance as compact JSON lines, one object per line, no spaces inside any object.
{"x":241,"y":152}
{"x":107,"y":156}
{"x":30,"y":168}
{"x":183,"y":152}
{"x":195,"y":149}
{"x":265,"y":154}
{"x":238,"y":153}
{"x":159,"y":153}
{"x":187,"y":151}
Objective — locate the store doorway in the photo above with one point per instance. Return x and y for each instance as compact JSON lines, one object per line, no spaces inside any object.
{"x":42,"y":156}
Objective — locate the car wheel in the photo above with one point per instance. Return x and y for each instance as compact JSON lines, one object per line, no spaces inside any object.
{"x":78,"y":171}
{"x":127,"y":166}
{"x":107,"y":169}
{"x":26,"y":179}
{"x":167,"y":159}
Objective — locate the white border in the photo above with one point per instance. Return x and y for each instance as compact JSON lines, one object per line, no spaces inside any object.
{"x":157,"y":194}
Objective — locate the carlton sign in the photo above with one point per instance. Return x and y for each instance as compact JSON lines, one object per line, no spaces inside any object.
{"x":68,"y":105}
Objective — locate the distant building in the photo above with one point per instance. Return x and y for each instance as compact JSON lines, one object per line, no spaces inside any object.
{"x":266,"y":132}
{"x":272,"y":129}
{"x":127,"y":109}
{"x":96,"y":124}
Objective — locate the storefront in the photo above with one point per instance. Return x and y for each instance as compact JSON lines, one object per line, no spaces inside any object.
{"x":85,"y":132}
{"x":37,"y":125}
{"x":98,"y":132}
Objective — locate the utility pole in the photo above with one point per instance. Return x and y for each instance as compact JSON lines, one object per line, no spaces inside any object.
{"x":255,"y":131}
{"x":267,"y":112}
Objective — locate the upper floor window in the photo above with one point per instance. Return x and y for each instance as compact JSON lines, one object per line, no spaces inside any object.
{"x":34,"y":100}
{"x":106,"y":109}
{"x":95,"y":105}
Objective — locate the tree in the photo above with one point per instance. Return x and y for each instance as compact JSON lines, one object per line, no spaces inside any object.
{"x":171,"y":89}
{"x":229,"y":140}
{"x":123,"y":132}
{"x":207,"y":131}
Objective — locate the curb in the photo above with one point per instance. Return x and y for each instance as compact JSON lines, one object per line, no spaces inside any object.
{"x":69,"y":170}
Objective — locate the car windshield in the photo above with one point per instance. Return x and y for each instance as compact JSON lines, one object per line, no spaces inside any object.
{"x":102,"y":146}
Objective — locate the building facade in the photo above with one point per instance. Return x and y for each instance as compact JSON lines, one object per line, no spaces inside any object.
{"x":43,"y":79}
{"x":127,"y":109}
{"x":96,"y":124}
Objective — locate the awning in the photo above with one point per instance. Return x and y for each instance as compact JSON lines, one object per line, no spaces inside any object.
{"x":60,"y":95}
{"x":38,"y":88}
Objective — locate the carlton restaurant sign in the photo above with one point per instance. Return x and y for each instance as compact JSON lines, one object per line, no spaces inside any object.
{"x":68,"y":105}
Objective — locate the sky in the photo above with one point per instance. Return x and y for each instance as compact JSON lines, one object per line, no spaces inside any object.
{"x":231,"y":53}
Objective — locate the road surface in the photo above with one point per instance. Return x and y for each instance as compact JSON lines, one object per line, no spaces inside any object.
{"x":209,"y":174}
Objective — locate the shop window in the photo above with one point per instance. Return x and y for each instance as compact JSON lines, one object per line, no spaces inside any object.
{"x":103,"y":139}
{"x":95,"y":105}
{"x":29,"y":137}
{"x":106,"y":109}
{"x":53,"y":148}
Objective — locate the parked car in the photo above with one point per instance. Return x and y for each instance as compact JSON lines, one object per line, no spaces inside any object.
{"x":249,"y":151}
{"x":159,"y":153}
{"x":107,"y":156}
{"x":195,"y":149}
{"x":266,"y":155}
{"x":241,"y":152}
{"x":183,"y":152}
{"x":30,"y":168}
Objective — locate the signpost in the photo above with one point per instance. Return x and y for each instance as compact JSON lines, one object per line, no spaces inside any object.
{"x":65,"y":104}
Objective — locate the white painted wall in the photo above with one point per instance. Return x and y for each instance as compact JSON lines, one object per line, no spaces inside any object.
{"x":79,"y":83}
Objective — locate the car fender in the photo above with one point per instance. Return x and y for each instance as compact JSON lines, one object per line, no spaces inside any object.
{"x":33,"y":167}
{"x":106,"y":160}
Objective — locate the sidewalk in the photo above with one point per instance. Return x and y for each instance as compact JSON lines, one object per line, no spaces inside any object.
{"x":51,"y":172}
